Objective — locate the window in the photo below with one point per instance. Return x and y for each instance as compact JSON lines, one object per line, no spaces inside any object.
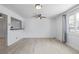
{"x":74,"y":22}
{"x":77,"y":21}
{"x":16,"y":24}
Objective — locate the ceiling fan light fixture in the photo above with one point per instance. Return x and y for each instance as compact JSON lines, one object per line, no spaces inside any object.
{"x":38,"y":6}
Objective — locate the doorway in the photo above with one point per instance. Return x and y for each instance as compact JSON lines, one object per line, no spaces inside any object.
{"x":3,"y":33}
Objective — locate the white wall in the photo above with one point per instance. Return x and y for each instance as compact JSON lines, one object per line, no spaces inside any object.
{"x":59,"y":27}
{"x":40,"y":28}
{"x":12,"y":34}
{"x":34,"y":28}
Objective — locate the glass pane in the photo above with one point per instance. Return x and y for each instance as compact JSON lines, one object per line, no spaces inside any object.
{"x":77,"y":21}
{"x":77,"y":16}
{"x":72,"y":23}
{"x":77,"y":25}
{"x":72,"y":17}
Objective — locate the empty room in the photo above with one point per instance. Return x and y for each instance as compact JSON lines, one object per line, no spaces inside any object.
{"x":39,"y":28}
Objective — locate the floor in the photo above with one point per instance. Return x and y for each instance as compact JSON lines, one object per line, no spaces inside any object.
{"x":3,"y":45}
{"x":40,"y":46}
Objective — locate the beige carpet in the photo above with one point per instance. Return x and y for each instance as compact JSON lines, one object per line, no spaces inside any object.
{"x":40,"y":46}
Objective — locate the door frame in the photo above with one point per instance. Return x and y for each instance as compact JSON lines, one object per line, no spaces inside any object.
{"x":4,"y":40}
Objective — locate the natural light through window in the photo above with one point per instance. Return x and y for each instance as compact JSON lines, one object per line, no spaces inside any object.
{"x":74,"y":22}
{"x":77,"y":21}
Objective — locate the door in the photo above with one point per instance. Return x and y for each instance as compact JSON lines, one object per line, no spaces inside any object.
{"x":3,"y":33}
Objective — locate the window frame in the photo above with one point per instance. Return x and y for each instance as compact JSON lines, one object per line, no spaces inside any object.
{"x":75,"y":29}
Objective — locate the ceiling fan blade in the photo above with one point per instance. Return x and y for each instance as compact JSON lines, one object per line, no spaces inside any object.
{"x":39,"y":16}
{"x":43,"y":17}
{"x":35,"y":16}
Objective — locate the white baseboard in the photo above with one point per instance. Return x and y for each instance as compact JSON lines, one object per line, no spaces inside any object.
{"x":40,"y":37}
{"x":72,"y":46}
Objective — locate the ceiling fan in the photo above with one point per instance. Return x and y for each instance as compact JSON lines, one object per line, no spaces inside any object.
{"x":39,"y":16}
{"x":38,"y":6}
